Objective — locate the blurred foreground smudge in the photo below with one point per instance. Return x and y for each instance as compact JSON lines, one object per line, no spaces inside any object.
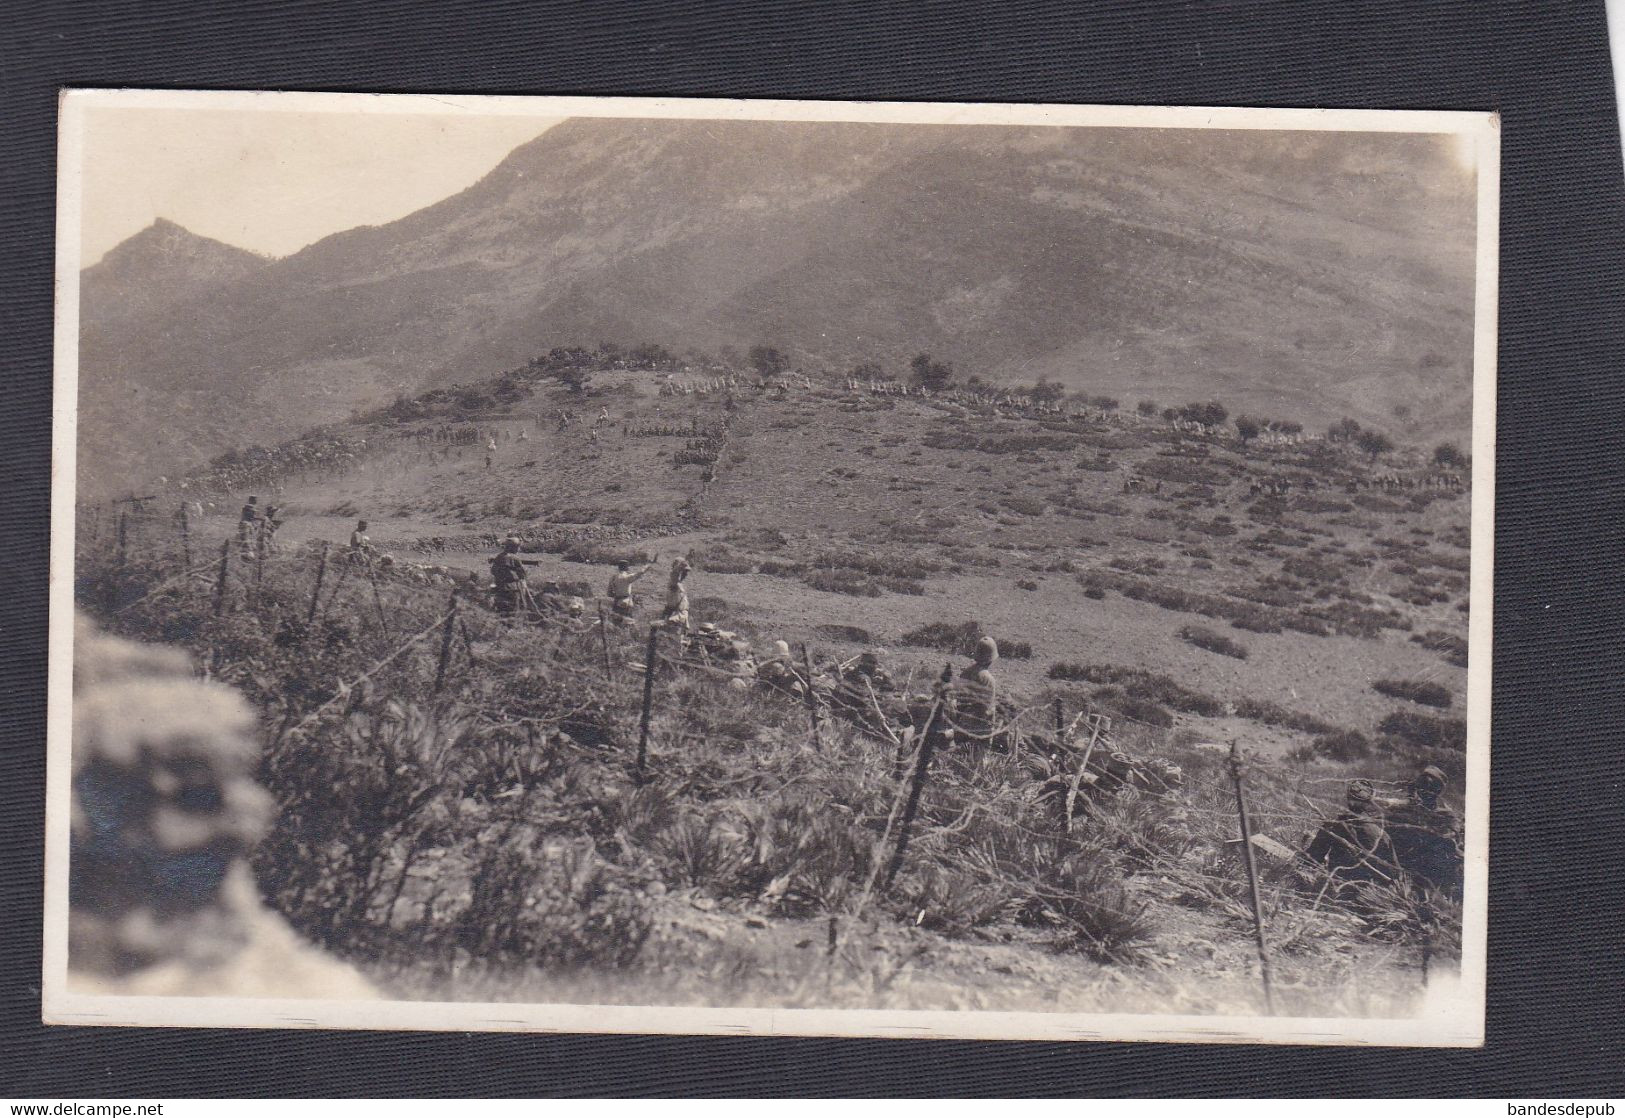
{"x":165,"y":811}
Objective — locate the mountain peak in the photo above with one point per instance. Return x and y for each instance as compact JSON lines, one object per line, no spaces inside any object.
{"x":169,"y":238}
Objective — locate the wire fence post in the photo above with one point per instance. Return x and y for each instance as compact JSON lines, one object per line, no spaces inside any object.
{"x":812,"y":700}
{"x":448,"y":630}
{"x":1252,"y":878}
{"x":123,"y":538}
{"x":316,"y":594}
{"x":220,"y":579}
{"x":1096,"y":728}
{"x":603,"y":641}
{"x":922,"y":763}
{"x":186,"y":537}
{"x":648,"y":698}
{"x":259,"y":559}
{"x":378,"y":600}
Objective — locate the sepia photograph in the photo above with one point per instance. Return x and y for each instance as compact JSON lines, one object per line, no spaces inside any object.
{"x":682,"y":566}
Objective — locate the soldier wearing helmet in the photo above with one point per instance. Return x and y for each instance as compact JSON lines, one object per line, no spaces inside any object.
{"x":1354,"y":848}
{"x":508,"y":572}
{"x":1426,"y":835}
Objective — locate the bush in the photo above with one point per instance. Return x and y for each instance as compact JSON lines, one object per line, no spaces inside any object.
{"x":1212,"y":642}
{"x":1342,"y":746}
{"x":848,"y":633}
{"x":1432,"y":733}
{"x":1428,"y":694}
{"x":1453,"y":648}
{"x":1140,"y":684}
{"x":960,"y":640}
{"x":840,"y":580}
{"x":1273,"y":714}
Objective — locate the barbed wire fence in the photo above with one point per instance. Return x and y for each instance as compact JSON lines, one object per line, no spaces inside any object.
{"x":147,"y":548}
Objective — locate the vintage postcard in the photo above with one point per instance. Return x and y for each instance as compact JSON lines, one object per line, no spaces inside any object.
{"x":752,"y":567}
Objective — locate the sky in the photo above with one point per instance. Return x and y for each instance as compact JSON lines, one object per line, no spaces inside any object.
{"x":274,"y":182}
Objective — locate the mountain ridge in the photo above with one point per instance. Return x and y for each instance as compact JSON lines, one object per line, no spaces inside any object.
{"x":1302,"y":275}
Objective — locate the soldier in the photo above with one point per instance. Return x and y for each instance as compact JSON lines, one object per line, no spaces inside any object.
{"x":621,"y":603}
{"x":1354,"y":848}
{"x":248,"y":522}
{"x":976,"y":698}
{"x":268,"y":528}
{"x":508,"y":571}
{"x":1426,"y":835}
{"x":864,"y":689}
{"x":778,"y":672}
{"x":361,"y":550}
{"x":676,"y":609}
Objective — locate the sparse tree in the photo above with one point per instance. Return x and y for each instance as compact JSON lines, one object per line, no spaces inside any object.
{"x":1147,"y":408}
{"x":648,"y":355}
{"x":1343,"y":431}
{"x":1448,"y":456}
{"x":767,"y":361}
{"x":574,"y":377}
{"x":867,"y":370}
{"x":1047,"y":391}
{"x":1104,"y":403}
{"x":926,"y":373}
{"x":1246,"y":427}
{"x":1210,"y":414}
{"x":1374,"y":443}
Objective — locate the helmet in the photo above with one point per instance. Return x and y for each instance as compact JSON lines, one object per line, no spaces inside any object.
{"x":510,"y":544}
{"x":1360,"y":793}
{"x":987,"y":650}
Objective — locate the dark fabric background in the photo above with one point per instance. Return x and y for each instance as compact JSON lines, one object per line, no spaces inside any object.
{"x":1555,"y":1026}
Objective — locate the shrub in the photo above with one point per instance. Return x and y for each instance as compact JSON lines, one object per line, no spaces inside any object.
{"x":1453,"y":648}
{"x":960,"y":640}
{"x":849,"y":633}
{"x":1273,"y":714}
{"x":1419,"y":729}
{"x":1342,"y":746}
{"x":1428,"y":694}
{"x":840,"y":580}
{"x":1212,"y":642}
{"x":1141,"y":684}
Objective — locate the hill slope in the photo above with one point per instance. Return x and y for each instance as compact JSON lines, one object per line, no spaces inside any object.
{"x":1303,"y":275}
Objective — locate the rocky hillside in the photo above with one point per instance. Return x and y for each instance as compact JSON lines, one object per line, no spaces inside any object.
{"x":1304,"y":275}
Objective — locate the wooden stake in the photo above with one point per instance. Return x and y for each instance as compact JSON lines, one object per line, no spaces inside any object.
{"x":1095,"y":727}
{"x":259,"y":560}
{"x":378,"y":600}
{"x":917,"y":786}
{"x":812,"y":700}
{"x":448,"y":630}
{"x":1252,"y":878}
{"x":648,"y":699}
{"x":220,"y":579}
{"x":316,"y":594}
{"x":603,"y":641}
{"x":186,"y":538}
